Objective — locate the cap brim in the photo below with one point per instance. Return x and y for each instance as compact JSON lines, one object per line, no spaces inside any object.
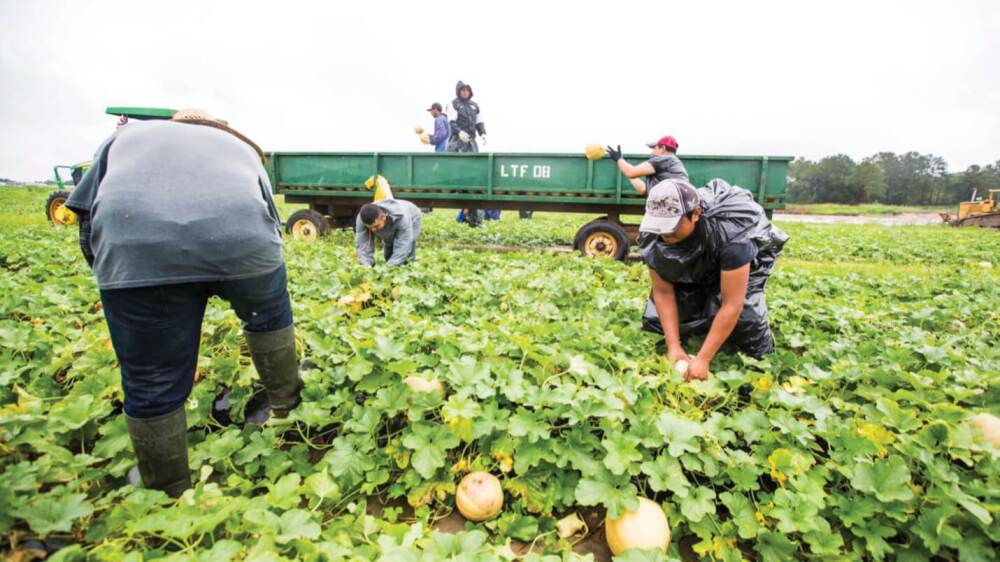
{"x":651,"y":144}
{"x":659,"y":225}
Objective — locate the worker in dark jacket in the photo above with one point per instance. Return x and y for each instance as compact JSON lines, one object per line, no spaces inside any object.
{"x":466,"y":121}
{"x":662,"y":165}
{"x":396,"y":223}
{"x":709,"y":254}
{"x":172,"y":213}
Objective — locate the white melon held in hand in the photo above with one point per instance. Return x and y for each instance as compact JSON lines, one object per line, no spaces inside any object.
{"x":989,"y":425}
{"x":479,"y":496}
{"x":646,"y":527}
{"x":681,"y":367}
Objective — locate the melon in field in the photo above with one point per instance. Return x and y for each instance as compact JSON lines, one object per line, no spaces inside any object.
{"x":420,"y":384}
{"x":479,"y":496}
{"x":646,"y":527}
{"x":989,"y":425}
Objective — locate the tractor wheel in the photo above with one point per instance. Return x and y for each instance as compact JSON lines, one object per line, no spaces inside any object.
{"x":56,"y":211}
{"x":602,"y":239}
{"x":306,"y":225}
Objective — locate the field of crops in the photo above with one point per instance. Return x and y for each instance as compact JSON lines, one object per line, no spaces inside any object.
{"x":849,"y":443}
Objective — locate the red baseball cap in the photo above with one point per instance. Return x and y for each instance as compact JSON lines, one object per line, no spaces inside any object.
{"x":667,"y":141}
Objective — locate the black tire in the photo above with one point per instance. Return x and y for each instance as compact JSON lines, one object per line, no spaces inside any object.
{"x":306,"y":225}
{"x":602,"y":238}
{"x":55,"y":209}
{"x":525,"y":215}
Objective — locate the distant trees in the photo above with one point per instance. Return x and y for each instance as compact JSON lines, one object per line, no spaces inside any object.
{"x":897,"y":179}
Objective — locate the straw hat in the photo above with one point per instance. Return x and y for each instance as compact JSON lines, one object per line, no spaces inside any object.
{"x":193,"y":114}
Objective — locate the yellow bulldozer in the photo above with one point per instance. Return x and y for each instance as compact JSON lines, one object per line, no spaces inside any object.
{"x":977,"y":212}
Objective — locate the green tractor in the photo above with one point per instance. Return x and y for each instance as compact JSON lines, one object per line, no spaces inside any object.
{"x":55,"y":205}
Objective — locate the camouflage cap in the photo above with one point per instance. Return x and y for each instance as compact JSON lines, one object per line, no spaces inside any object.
{"x":666,"y":203}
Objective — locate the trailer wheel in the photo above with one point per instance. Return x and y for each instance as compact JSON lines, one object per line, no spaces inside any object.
{"x":602,"y":239}
{"x":56,"y":211}
{"x":306,"y":224}
{"x":525,"y":215}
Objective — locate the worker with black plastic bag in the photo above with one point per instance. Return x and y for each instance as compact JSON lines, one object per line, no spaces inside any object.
{"x":710,"y":252}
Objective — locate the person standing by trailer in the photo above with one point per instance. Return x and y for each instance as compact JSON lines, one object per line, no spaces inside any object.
{"x":442,"y":129}
{"x":663,"y":164}
{"x":465,"y":120}
{"x":466,"y":123}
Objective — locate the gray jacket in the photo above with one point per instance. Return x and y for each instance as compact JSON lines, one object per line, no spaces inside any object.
{"x":402,"y":228}
{"x":171,"y":202}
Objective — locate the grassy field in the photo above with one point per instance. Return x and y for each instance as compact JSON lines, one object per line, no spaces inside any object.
{"x":863,"y":209}
{"x":851,"y":442}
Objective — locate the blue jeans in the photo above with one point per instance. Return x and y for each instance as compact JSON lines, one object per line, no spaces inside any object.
{"x":156,"y":332}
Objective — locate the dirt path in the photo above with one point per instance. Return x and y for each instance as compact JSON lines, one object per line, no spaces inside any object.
{"x":900,"y":219}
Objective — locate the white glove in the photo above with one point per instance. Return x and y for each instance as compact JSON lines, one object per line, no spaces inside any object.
{"x":482,"y":139}
{"x":463,"y":136}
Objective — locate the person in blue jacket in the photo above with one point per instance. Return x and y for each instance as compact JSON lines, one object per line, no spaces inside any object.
{"x":442,"y":130}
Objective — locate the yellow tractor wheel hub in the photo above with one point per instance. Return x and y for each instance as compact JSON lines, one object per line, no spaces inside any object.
{"x":304,"y":229}
{"x":601,"y":244}
{"x":61,"y":215}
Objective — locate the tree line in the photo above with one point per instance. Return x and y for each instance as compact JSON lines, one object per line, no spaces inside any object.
{"x":895,"y":179}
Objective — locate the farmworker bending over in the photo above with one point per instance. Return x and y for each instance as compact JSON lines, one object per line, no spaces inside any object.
{"x":662,"y":165}
{"x":172,"y":213}
{"x":709,"y":254}
{"x":393,"y":221}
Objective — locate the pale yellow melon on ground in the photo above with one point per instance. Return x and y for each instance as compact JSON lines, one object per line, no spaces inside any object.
{"x":646,"y":527}
{"x":479,"y":496}
{"x":420,"y":384}
{"x":989,"y":425}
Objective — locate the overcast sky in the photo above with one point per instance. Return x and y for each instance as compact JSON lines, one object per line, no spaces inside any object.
{"x":802,"y":78}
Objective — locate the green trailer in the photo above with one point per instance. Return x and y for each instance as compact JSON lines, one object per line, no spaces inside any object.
{"x":333,"y":185}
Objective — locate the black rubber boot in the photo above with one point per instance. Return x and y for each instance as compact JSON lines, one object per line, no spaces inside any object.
{"x":273,"y":355}
{"x":161,"y":450}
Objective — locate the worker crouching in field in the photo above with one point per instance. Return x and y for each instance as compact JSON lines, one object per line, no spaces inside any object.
{"x":393,"y":221}
{"x":172,"y":213}
{"x":709,"y":253}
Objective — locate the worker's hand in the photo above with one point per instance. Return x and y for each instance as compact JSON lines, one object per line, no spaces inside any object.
{"x":425,"y":138}
{"x":697,"y":369}
{"x":615,"y":153}
{"x":482,"y":139}
{"x":463,"y":136}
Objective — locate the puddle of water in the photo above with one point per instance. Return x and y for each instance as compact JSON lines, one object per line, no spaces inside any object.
{"x":890,"y":220}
